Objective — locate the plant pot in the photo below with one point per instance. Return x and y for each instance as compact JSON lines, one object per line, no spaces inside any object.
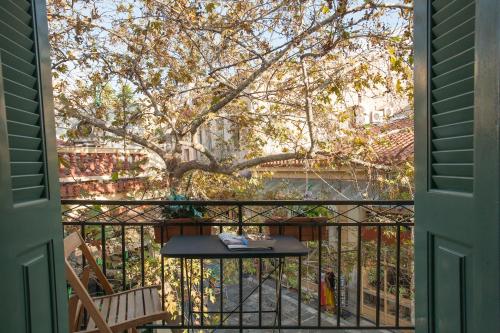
{"x":190,"y":229}
{"x":301,"y":232}
{"x":371,"y":234}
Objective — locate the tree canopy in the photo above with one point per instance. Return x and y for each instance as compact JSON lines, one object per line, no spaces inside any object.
{"x":154,"y":73}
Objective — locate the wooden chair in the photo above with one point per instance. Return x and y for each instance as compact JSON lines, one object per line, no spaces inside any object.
{"x":114,"y":312}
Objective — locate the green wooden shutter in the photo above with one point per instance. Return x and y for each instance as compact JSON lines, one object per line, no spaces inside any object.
{"x":452,"y":95}
{"x":18,"y":51}
{"x":32,"y":270}
{"x":457,"y":166}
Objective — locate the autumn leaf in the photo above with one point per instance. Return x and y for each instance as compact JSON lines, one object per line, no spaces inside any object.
{"x":210,"y":7}
{"x":226,"y":76}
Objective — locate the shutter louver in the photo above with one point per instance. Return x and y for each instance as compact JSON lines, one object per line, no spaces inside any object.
{"x":20,"y":80}
{"x":452,"y":91}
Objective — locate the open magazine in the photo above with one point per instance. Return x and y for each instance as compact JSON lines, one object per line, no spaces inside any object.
{"x":236,"y":242}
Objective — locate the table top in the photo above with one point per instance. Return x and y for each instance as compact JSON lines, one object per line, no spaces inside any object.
{"x":211,"y":247}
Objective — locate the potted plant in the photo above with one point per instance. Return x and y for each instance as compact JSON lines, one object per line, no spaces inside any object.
{"x":388,"y":237}
{"x":301,"y":232}
{"x":181,"y":214}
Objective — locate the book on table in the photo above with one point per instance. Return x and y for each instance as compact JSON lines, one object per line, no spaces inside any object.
{"x":236,"y":242}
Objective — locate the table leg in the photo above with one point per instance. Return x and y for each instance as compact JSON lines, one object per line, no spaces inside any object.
{"x":242,"y":300}
{"x":221,"y":288}
{"x":189,"y":280}
{"x":182,"y":292}
{"x":241,"y":294}
{"x":278,"y":286}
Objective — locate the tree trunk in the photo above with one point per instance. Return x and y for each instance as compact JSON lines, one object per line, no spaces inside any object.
{"x":174,"y":183}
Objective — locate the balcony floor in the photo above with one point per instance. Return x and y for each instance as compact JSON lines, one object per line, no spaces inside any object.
{"x":309,"y":313}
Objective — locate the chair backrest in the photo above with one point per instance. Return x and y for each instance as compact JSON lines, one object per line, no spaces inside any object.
{"x":71,"y":243}
{"x":75,"y":309}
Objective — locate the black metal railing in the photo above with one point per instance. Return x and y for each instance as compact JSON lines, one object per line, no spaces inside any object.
{"x":358,"y":275}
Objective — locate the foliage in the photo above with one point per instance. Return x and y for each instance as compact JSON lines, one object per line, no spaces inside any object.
{"x":181,"y":211}
{"x":211,"y":273}
{"x":314,"y":212}
{"x":268,"y":80}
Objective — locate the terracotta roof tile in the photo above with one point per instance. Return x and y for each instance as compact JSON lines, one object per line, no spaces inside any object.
{"x":78,"y":164}
{"x":94,"y":187}
{"x":391,"y":144}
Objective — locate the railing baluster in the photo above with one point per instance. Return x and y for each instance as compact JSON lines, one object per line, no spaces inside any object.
{"x":379,"y":245}
{"x":260,"y":292}
{"x":103,"y":248}
{"x":398,"y":269}
{"x":260,"y":287}
{"x":299,"y":298}
{"x":124,"y":281}
{"x":358,"y":289}
{"x":280,"y":279}
{"x":201,"y":292}
{"x":82,"y":232}
{"x":182,"y":292}
{"x":320,"y":270}
{"x":240,"y":232}
{"x":240,"y":219}
{"x":339,"y":272}
{"x":240,"y":261}
{"x":221,"y":283}
{"x":162,"y":268}
{"x":142,"y":256}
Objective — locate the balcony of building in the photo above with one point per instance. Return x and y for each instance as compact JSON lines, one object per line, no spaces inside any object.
{"x":357,"y":276}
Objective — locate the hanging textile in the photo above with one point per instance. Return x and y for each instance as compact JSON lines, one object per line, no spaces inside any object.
{"x":328,"y":291}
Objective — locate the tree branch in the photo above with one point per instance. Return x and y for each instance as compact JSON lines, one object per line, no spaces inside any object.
{"x":308,"y":106}
{"x":121,"y":132}
{"x":154,"y":103}
{"x":372,"y":165}
{"x":265,"y":66}
{"x":372,"y":4}
{"x":201,"y":148}
{"x":231,"y":169}
{"x":265,"y":159}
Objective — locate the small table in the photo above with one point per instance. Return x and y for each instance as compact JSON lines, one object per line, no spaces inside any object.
{"x":211,"y":247}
